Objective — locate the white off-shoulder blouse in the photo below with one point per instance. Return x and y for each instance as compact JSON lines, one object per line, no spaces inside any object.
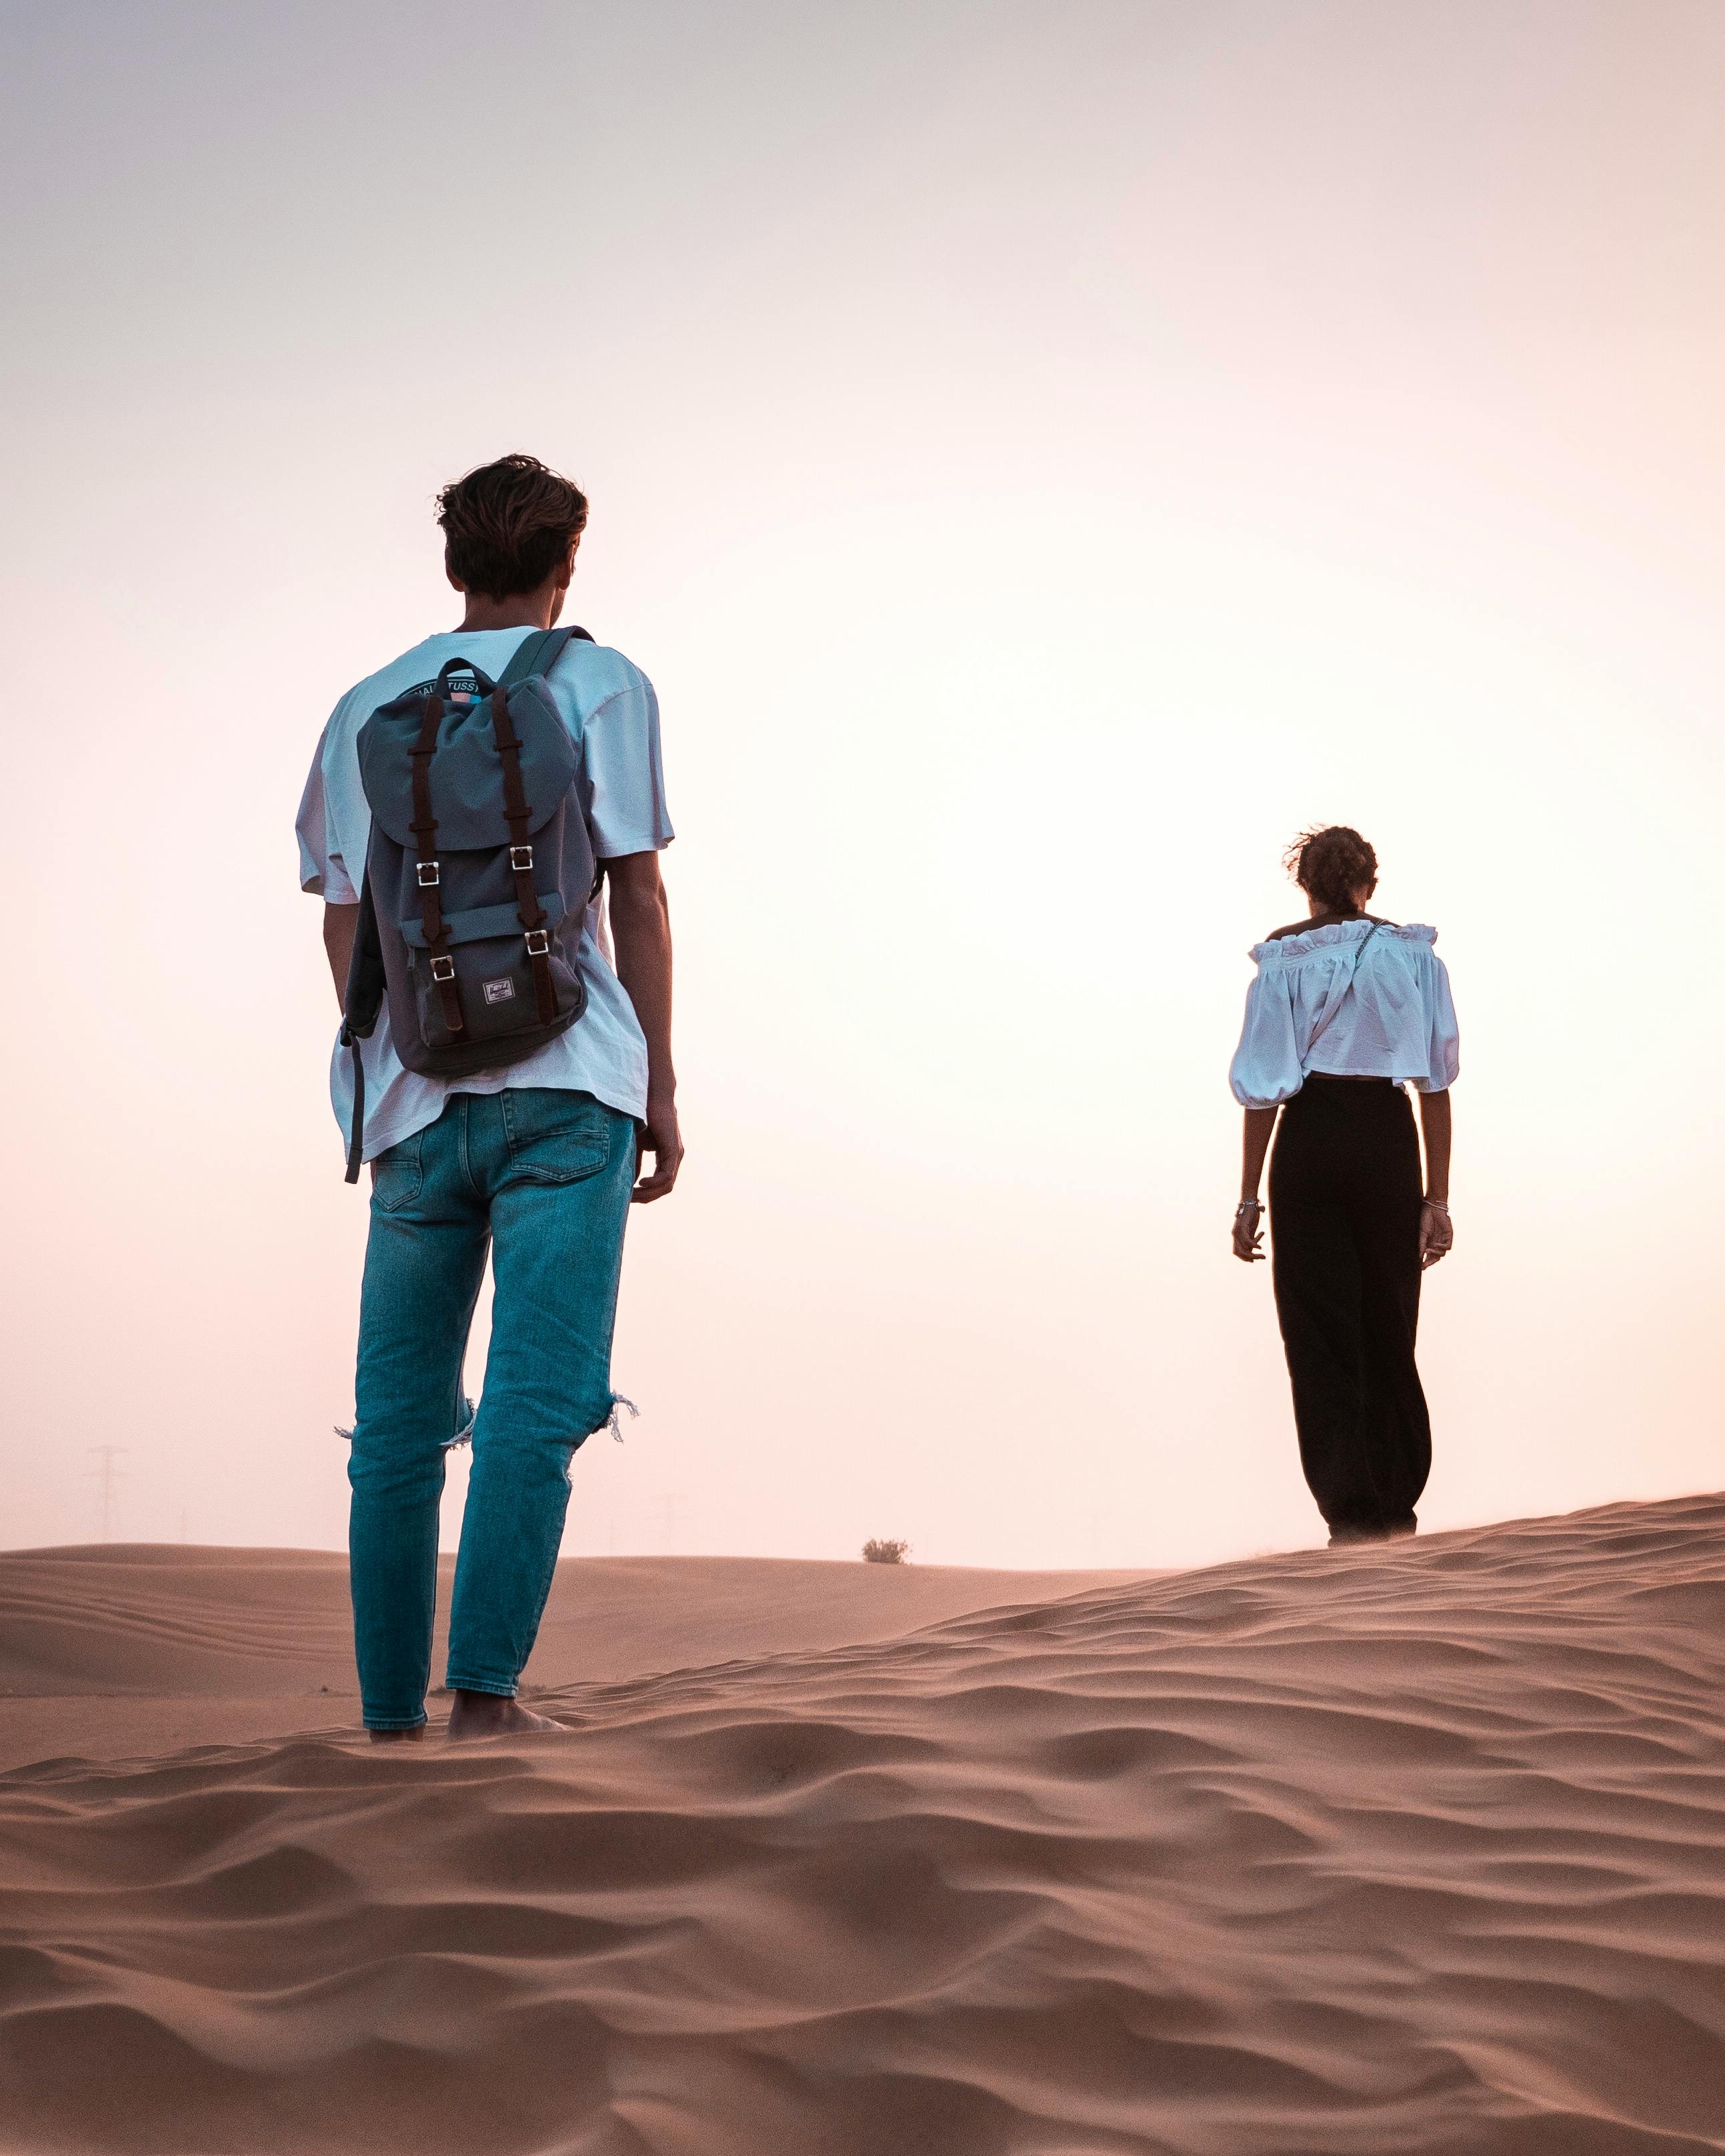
{"x":1357,"y":1000}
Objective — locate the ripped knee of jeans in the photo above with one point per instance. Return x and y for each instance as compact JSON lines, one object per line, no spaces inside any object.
{"x":464,"y":1413}
{"x":613,"y":1422}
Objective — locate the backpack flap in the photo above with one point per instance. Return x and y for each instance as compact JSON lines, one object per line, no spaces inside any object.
{"x":464,"y":773}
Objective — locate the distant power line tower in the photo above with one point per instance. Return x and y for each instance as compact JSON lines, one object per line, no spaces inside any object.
{"x":107,"y":1474}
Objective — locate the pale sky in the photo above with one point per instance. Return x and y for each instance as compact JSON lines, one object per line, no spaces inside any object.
{"x":1044,"y":455}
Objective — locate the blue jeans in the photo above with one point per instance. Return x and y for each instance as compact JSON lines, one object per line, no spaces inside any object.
{"x":542,"y":1179}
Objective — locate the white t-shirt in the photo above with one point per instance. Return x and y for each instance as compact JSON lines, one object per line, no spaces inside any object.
{"x":611,"y":712}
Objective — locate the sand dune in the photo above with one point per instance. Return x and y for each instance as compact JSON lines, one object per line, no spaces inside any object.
{"x":114,"y":1649}
{"x":1413,"y":1852}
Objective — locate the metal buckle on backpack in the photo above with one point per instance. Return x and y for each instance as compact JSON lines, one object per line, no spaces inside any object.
{"x":541,"y":947}
{"x":520,"y":857}
{"x":429,"y":873}
{"x":443,"y":968}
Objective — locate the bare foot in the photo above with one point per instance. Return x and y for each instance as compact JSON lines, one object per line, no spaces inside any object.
{"x":414,"y":1736}
{"x":488,"y":1714}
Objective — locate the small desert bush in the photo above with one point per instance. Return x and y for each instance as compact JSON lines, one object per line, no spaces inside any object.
{"x":875,"y":1551}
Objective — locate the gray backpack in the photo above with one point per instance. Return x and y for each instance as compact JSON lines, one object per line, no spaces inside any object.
{"x":478,"y":876}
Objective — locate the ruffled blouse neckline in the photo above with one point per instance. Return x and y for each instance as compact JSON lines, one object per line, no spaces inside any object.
{"x":1343,"y":933}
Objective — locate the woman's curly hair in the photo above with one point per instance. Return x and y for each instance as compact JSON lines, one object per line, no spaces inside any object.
{"x":1329,"y":863}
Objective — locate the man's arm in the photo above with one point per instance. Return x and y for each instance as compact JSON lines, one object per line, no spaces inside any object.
{"x":640,"y":933}
{"x":340,"y":923}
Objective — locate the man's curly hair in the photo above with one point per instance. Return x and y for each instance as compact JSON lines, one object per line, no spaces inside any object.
{"x":508,"y":525}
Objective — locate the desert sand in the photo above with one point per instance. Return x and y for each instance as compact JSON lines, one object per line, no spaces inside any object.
{"x":1409,"y":1851}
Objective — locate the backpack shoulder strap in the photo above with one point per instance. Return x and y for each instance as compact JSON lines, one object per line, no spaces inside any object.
{"x":536,"y":653}
{"x":362,"y":1001}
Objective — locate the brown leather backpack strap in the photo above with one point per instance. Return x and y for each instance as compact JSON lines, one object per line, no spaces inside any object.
{"x":520,"y":817}
{"x":427,"y":869}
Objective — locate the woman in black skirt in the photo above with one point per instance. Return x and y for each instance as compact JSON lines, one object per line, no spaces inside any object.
{"x":1345,"y":1010}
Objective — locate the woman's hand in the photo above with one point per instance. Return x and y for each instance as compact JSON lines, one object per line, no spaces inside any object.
{"x":1254,"y":1143}
{"x":1437,"y":1235}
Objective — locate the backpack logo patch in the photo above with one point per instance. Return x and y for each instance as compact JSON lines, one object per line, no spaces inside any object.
{"x":499,"y":991}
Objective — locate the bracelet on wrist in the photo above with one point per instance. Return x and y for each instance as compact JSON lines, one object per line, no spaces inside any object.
{"x":1249,"y":1205}
{"x":1437,"y":1204}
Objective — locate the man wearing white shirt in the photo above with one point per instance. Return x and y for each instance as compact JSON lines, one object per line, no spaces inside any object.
{"x":534,"y":1163}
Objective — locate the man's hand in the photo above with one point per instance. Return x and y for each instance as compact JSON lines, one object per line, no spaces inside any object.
{"x":659,"y":1136}
{"x":641,"y":930}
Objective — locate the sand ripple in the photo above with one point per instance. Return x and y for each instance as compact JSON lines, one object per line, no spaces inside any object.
{"x":1413,"y":1853}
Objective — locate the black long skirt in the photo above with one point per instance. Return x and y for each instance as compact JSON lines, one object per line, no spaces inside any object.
{"x":1344,"y":1219}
